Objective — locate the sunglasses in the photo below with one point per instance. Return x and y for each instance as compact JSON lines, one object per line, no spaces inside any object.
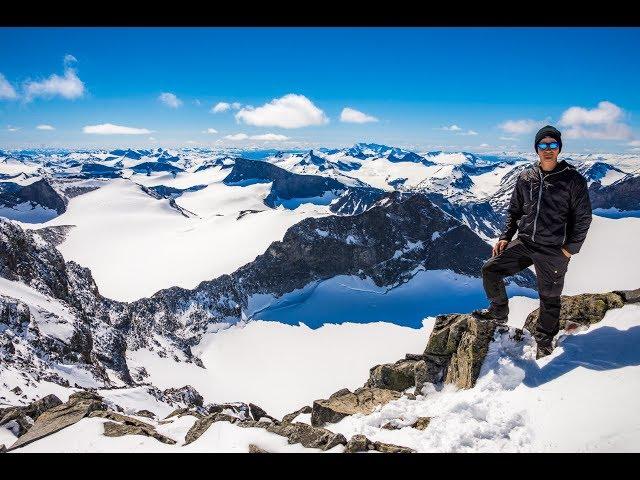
{"x":552,"y":145}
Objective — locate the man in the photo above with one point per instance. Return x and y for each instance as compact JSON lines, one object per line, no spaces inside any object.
{"x":551,"y":210}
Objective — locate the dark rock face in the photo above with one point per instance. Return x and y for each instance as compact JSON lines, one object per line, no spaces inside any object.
{"x":91,"y":170}
{"x":585,"y":308}
{"x":307,"y":435}
{"x":623,"y":194}
{"x":37,"y":193}
{"x":286,"y":185}
{"x":187,"y":395}
{"x":340,"y":405}
{"x":148,"y":167}
{"x":356,"y":200}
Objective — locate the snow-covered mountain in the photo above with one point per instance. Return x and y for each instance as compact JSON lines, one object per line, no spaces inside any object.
{"x":212,"y":283}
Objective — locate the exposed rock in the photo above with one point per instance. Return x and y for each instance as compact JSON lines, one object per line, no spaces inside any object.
{"x":186,"y":395}
{"x":393,"y":376}
{"x":422,"y":423}
{"x":145,"y":413}
{"x":181,"y":412}
{"x":16,"y":390}
{"x":289,"y":417}
{"x":629,"y":296}
{"x":257,"y":413}
{"x":343,"y":403}
{"x":585,"y":308}
{"x":112,"y":429}
{"x":307,"y":435}
{"x":461,"y":342}
{"x":3,"y":449}
{"x":360,"y":443}
{"x":255,"y":449}
{"x":20,"y":419}
{"x":79,"y":405}
{"x":203,"y":424}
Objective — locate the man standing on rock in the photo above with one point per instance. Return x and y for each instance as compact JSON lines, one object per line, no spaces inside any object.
{"x":551,"y":210}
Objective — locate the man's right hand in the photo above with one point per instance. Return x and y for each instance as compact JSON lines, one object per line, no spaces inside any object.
{"x":499,"y":247}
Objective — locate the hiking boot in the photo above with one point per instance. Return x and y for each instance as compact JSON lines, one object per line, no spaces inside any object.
{"x":544,"y":344}
{"x":490,"y":314}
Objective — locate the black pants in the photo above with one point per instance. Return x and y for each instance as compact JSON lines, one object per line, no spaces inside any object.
{"x":551,"y":266}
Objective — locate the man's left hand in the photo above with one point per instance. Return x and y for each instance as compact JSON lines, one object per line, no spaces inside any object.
{"x":566,"y":253}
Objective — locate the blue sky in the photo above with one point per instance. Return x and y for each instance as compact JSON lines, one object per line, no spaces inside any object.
{"x":478,"y":89}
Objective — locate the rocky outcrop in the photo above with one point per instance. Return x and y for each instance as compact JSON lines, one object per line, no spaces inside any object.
{"x":586,"y":308}
{"x":124,"y":425}
{"x":360,"y":443}
{"x":79,"y":405}
{"x":288,"y":418}
{"x":307,"y":435}
{"x":186,"y":395}
{"x":344,"y":403}
{"x":20,"y":419}
{"x":460,"y":343}
{"x":256,"y":449}
{"x":393,"y":376}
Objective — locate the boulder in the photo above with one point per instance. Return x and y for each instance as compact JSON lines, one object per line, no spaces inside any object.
{"x":421,"y":423}
{"x":396,"y":376}
{"x":360,"y":443}
{"x":459,"y":342}
{"x":307,"y":435}
{"x":203,"y":424}
{"x":112,"y":429}
{"x":145,"y":413}
{"x":20,"y":419}
{"x":343,"y":403}
{"x":290,"y":417}
{"x":584,"y":308}
{"x":79,"y":405}
{"x":181,"y":412}
{"x":429,"y":370}
{"x":255,"y":449}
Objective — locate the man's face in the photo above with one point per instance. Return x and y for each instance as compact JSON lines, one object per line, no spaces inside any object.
{"x":548,"y":156}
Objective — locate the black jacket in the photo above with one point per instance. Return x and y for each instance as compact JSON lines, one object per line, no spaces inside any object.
{"x":553,"y":211}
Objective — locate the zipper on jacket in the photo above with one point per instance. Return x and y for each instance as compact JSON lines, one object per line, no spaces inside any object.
{"x":565,"y":233}
{"x":535,"y":220}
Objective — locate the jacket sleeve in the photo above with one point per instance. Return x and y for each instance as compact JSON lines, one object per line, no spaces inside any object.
{"x":514,"y":213}
{"x":579,"y":216}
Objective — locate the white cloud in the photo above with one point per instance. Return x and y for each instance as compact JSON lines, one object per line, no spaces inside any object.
{"x":470,"y":132}
{"x":484,"y":145}
{"x":152,"y":139}
{"x":197,"y":102}
{"x":605,"y":122}
{"x":509,"y":139}
{"x":236,"y":105}
{"x":69,"y":59}
{"x":220,"y":107}
{"x":270,"y":137}
{"x":237,"y":136}
{"x":111,"y":129}
{"x":7,"y":92}
{"x":351,"y":115}
{"x":12,"y":129}
{"x":69,"y":86}
{"x":452,"y":128}
{"x":210,"y":130}
{"x":634,"y":143}
{"x":289,"y":111}
{"x":170,"y":100}
{"x":520,"y":127}
{"x":45,"y":127}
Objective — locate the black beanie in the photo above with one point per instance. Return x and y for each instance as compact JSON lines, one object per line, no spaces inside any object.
{"x":548,"y":131}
